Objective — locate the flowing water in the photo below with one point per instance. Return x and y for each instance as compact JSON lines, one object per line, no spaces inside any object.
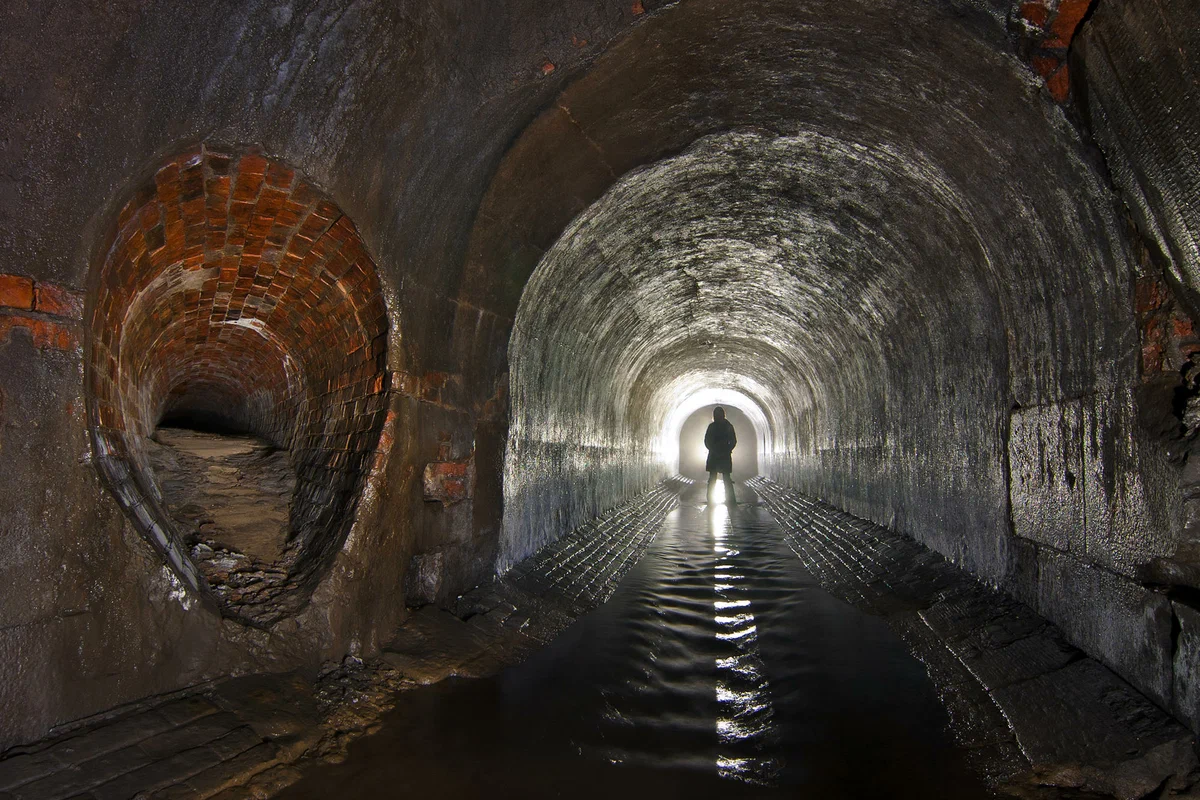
{"x":719,"y":668}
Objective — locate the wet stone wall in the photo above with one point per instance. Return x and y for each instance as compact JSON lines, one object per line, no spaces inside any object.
{"x":950,"y":353}
{"x":818,"y":206}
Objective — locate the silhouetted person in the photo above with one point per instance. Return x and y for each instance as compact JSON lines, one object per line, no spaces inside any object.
{"x":720,"y":441}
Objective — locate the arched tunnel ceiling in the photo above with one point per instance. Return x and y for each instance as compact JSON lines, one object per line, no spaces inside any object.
{"x":886,"y":228}
{"x":783,"y":259}
{"x":922,"y":80}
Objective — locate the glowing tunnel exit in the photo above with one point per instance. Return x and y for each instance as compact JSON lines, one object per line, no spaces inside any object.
{"x":681,"y":441}
{"x":693,"y":453}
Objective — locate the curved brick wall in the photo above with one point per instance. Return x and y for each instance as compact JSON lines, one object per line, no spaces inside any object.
{"x":234,"y":291}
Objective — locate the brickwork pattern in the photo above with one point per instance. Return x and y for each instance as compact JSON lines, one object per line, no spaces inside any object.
{"x":856,"y":560}
{"x":234,"y":290}
{"x":584,"y":567}
{"x":48,"y":313}
{"x":1031,"y":710}
{"x":188,"y":747}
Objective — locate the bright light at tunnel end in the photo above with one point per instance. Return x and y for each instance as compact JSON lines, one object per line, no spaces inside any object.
{"x":689,"y":399}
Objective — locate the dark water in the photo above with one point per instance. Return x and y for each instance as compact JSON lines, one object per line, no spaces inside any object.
{"x":718,"y":669}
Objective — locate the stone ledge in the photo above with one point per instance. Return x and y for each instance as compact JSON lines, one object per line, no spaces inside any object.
{"x":241,"y":738}
{"x":1038,"y":716}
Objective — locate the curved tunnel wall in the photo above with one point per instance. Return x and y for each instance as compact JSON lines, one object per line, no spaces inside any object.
{"x":949,"y":350}
{"x":235,"y":291}
{"x":848,"y":289}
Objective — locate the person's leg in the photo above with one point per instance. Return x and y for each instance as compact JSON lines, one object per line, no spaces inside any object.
{"x":730,"y":497}
{"x":712,"y":479}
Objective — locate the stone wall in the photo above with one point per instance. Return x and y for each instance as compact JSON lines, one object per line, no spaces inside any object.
{"x":936,"y":257}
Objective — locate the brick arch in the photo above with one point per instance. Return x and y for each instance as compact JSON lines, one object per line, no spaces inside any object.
{"x":235,"y":289}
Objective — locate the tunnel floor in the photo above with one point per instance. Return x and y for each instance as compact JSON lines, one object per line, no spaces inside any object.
{"x":230,"y":495}
{"x":666,"y":649}
{"x":718,"y":667}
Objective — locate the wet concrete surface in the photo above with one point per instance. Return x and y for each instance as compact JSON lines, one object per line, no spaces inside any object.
{"x":230,"y":492}
{"x":230,"y":496}
{"x":719,"y":667}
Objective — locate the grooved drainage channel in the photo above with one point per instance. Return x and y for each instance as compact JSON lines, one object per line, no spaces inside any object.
{"x":717,"y":668}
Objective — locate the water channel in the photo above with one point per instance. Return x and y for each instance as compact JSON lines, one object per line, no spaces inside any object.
{"x":719,"y":668}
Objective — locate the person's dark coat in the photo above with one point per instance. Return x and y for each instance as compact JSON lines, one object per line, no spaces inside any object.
{"x":720,"y":441}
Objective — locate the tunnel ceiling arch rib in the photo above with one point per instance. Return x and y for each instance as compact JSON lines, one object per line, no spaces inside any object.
{"x":864,"y":256}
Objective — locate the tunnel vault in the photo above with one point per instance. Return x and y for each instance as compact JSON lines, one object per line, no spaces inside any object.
{"x":911,"y":259}
{"x":236,"y":294}
{"x":865,"y":255}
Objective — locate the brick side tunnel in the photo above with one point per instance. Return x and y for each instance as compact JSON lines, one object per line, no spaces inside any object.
{"x":235,"y":293}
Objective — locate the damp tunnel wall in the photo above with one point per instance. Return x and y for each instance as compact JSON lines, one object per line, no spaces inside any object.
{"x":463,"y":144}
{"x":929,"y":286}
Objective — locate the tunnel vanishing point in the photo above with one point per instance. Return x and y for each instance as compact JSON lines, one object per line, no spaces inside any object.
{"x":459,"y":272}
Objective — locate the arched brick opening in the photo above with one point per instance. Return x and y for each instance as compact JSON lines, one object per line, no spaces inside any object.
{"x":234,"y":293}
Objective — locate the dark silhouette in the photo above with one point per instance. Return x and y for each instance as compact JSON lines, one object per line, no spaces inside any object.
{"x":720,"y":440}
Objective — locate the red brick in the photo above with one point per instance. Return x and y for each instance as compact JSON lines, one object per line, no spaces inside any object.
{"x":252,"y":164}
{"x":1045,"y":65}
{"x":60,"y":301}
{"x":1151,"y":359}
{"x":448,"y":482}
{"x":1059,"y":85}
{"x":239,"y":219}
{"x":1066,"y":21}
{"x":16,"y":292}
{"x":1148,"y":295}
{"x":1035,"y":14}
{"x":46,"y":334}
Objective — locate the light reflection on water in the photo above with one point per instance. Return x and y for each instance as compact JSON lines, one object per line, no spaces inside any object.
{"x":717,"y":669}
{"x":743,"y":694}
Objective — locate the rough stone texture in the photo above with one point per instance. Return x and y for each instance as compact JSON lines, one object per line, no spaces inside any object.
{"x":1008,"y":677}
{"x":230,"y":498}
{"x":185,"y":743}
{"x":928,"y":240}
{"x":1140,"y":61}
{"x":1186,"y":697}
{"x":448,"y":482}
{"x":241,"y":737}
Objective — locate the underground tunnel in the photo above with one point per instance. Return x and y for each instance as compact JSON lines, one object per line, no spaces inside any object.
{"x":358,"y":358}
